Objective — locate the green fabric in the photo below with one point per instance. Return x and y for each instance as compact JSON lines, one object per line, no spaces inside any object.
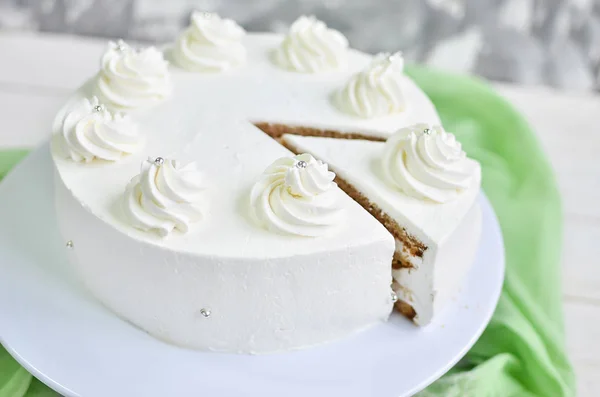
{"x":8,"y":158}
{"x":522,"y":351}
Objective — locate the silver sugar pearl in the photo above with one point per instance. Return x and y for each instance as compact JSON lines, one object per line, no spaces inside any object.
{"x":159,"y":161}
{"x":301,"y":164}
{"x":120,"y":46}
{"x":69,"y":244}
{"x":426,"y":131}
{"x":205,"y":313}
{"x":394,"y":297}
{"x":98,"y":108}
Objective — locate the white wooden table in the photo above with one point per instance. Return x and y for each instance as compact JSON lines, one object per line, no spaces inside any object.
{"x":37,"y":72}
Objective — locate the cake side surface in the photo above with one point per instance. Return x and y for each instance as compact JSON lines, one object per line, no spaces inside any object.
{"x":461,"y":247}
{"x":229,"y":304}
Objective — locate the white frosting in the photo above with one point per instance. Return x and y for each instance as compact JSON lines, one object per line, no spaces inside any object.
{"x":438,"y":276}
{"x":297,"y":196}
{"x":210,"y":44}
{"x":131,"y":78}
{"x":258,"y":303}
{"x":428,"y":163}
{"x":376,"y":91}
{"x":450,"y":231}
{"x":163,"y":197}
{"x":258,"y":285}
{"x":311,"y":47}
{"x":89,"y":131}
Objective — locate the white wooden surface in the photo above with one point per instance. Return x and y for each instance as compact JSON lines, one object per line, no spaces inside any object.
{"x":37,"y":72}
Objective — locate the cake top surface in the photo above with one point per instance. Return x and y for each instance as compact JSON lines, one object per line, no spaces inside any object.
{"x":208,"y":119}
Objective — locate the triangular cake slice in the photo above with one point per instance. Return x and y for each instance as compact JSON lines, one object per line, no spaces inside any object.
{"x":421,"y":186}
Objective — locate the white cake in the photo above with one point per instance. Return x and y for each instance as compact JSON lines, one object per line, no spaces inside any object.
{"x":248,"y":249}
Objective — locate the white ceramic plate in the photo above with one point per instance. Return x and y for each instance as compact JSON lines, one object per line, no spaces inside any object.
{"x":79,"y":348}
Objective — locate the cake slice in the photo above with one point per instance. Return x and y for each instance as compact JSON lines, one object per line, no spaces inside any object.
{"x":421,"y":186}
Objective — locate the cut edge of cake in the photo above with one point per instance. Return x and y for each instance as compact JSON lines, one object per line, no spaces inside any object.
{"x":278,"y":130}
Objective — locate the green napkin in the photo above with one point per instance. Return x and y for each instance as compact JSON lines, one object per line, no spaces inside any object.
{"x":522,"y":351}
{"x":8,"y":158}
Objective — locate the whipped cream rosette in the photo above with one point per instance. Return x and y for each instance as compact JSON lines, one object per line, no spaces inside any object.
{"x":89,"y":131}
{"x":311,"y":47}
{"x":297,"y":196}
{"x":210,"y":44}
{"x":376,"y":91}
{"x":427,"y":162}
{"x":131,"y":78}
{"x":166,"y":195}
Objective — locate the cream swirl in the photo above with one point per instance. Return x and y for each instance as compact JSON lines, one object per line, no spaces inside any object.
{"x":311,"y":47}
{"x":296,"y":196}
{"x":210,"y":44}
{"x":427,"y":162}
{"x":164,"y":196}
{"x":132,"y":78}
{"x":89,"y":131}
{"x":376,"y":91}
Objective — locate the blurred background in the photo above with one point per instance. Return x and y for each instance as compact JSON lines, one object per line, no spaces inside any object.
{"x":534,"y":42}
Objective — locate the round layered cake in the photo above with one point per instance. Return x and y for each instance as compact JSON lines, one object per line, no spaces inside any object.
{"x":184,"y":212}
